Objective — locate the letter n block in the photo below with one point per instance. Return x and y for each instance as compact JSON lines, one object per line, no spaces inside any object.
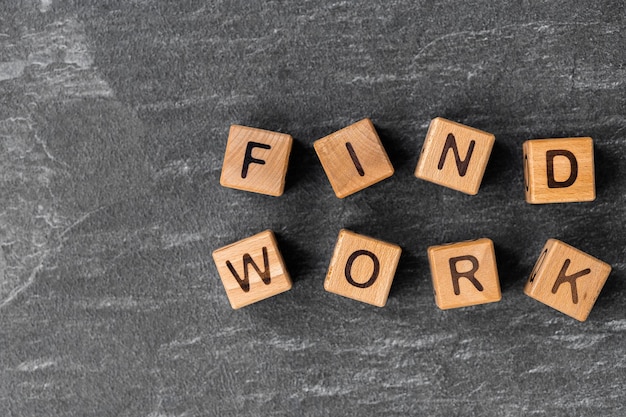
{"x":362,"y":268}
{"x":464,"y":273}
{"x":353,"y":158}
{"x":454,"y":155}
{"x":252,"y":269}
{"x":256,"y":160}
{"x":567,"y":279}
{"x":559,"y":170}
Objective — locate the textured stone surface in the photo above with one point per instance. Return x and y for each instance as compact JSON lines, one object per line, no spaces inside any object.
{"x":113,"y":123}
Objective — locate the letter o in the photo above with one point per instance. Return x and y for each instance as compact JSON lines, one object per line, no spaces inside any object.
{"x":348,"y":270}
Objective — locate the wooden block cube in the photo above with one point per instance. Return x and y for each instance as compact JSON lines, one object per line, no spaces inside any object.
{"x":353,"y":158}
{"x":362,"y":268}
{"x":567,"y":279}
{"x":464,"y":273}
{"x":256,"y":160}
{"x":559,"y":170}
{"x":252,"y":269}
{"x":464,"y":169}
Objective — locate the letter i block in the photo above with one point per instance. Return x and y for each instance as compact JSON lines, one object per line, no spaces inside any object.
{"x":559,"y":170}
{"x":256,"y":160}
{"x":353,"y":158}
{"x":464,"y":169}
{"x":567,"y":279}
{"x":252,"y":269}
{"x":362,"y":268}
{"x":464,"y":273}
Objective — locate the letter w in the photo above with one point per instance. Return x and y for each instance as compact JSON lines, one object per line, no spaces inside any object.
{"x":247,"y":260}
{"x":461,"y":164}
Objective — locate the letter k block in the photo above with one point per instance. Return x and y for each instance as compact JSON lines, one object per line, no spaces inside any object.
{"x":454,"y":155}
{"x":256,"y":160}
{"x":252,"y":269}
{"x":567,"y":279}
{"x":464,"y":273}
{"x":559,"y":170}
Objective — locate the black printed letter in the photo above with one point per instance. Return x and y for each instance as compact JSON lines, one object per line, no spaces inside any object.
{"x":248,"y":159}
{"x":348,"y":270}
{"x":355,"y":160}
{"x":460,"y":164}
{"x":456,"y":275}
{"x":247,"y":260}
{"x":571,"y":279}
{"x":552,"y":182}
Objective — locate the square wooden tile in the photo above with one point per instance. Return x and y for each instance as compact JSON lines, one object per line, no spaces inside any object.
{"x":559,"y":170}
{"x":454,"y":155}
{"x":256,"y":160}
{"x":362,"y":268}
{"x":464,"y":273}
{"x":252,"y":269}
{"x":567,"y":279}
{"x":353,"y":158}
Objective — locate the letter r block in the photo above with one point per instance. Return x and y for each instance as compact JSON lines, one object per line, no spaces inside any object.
{"x":362,"y":268}
{"x":353,"y":158}
{"x":454,"y":155}
{"x":256,"y":160}
{"x":252,"y":269}
{"x":464,"y":273}
{"x":567,"y":279}
{"x":559,"y":170}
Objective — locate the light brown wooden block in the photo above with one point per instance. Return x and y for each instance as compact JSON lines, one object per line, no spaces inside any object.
{"x":256,"y":160}
{"x":353,"y":158}
{"x":559,"y":170}
{"x":567,"y":279}
{"x":454,"y":155}
{"x":362,"y":268}
{"x":464,"y":273}
{"x":252,"y":269}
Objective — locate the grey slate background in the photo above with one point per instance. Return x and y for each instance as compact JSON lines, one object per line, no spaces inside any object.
{"x":113,"y":121}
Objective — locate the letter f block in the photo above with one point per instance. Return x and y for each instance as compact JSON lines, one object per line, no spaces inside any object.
{"x":464,"y":273}
{"x":252,"y":269}
{"x":567,"y":279}
{"x":559,"y":170}
{"x":256,"y":160}
{"x":454,"y":155}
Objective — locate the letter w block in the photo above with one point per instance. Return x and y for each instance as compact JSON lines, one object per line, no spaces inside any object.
{"x":454,"y":155}
{"x":252,"y":269}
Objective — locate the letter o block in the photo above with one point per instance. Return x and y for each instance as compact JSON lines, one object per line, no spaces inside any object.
{"x":464,"y":273}
{"x":362,"y":268}
{"x":567,"y":279}
{"x":256,"y":160}
{"x":454,"y":155}
{"x":559,"y":170}
{"x":252,"y":269}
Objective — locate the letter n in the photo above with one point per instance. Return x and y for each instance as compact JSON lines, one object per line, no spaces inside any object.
{"x":461,"y":164}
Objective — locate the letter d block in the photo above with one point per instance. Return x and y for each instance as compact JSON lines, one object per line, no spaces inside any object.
{"x":464,"y":273}
{"x":256,"y":160}
{"x":362,"y":268}
{"x":559,"y":170}
{"x":252,"y":269}
{"x":567,"y":279}
{"x":454,"y":155}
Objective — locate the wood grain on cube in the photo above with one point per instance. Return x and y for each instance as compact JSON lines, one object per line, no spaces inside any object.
{"x":362,"y":268}
{"x":559,"y":170}
{"x":454,"y":155}
{"x":252,"y":269}
{"x":464,"y":273}
{"x":256,"y":160}
{"x":567,"y":279}
{"x":353,"y":158}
